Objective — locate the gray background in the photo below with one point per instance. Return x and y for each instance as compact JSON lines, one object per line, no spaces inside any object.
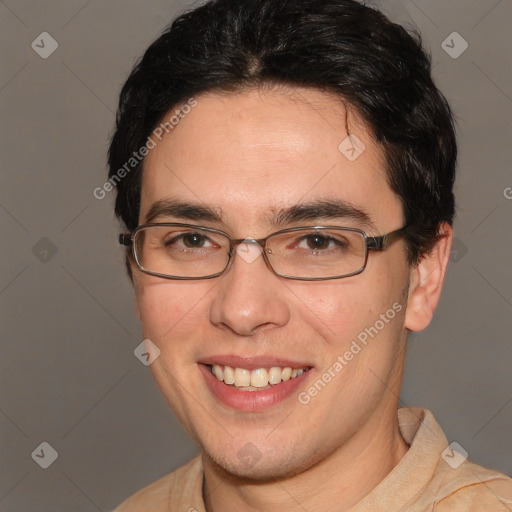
{"x":68,"y":373}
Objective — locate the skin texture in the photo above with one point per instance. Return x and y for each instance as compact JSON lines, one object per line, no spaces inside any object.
{"x":247,"y":155}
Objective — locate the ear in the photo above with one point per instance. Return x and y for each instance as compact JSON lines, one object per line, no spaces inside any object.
{"x":426,"y":282}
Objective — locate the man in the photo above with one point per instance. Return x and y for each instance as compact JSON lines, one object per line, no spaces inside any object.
{"x":284,"y":171}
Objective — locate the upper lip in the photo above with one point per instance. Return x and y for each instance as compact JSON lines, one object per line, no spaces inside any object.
{"x":252,"y":363}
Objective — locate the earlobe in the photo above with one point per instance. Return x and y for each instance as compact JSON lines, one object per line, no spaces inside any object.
{"x":426,"y":282}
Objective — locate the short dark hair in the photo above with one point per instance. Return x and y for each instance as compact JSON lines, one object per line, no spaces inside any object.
{"x":339,"y":46}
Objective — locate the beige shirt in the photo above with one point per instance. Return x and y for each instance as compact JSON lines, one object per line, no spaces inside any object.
{"x":424,"y":480}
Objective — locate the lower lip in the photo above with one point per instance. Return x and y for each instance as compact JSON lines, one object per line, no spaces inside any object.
{"x":251,"y":401}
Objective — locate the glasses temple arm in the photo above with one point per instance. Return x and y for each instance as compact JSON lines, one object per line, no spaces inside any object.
{"x":382,"y":242}
{"x":125,"y":239}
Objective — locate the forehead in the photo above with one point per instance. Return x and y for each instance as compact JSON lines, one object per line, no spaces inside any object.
{"x":255,"y":152}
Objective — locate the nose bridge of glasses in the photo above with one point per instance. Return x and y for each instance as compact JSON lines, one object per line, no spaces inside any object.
{"x":248,"y":249}
{"x":250,"y":241}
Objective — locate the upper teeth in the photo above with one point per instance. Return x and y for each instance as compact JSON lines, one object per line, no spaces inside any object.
{"x":259,"y":378}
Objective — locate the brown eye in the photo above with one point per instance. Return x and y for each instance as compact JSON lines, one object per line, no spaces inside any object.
{"x":193,"y":240}
{"x":188,"y":240}
{"x":317,"y":242}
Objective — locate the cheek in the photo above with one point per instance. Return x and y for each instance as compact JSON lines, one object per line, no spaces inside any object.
{"x":341,"y":310}
{"x":172,"y":316}
{"x":170,"y":311}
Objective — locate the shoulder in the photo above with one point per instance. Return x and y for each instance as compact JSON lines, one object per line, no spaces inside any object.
{"x":473,"y":488}
{"x":182,"y":484}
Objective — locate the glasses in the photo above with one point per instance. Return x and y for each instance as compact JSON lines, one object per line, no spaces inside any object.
{"x":317,"y":253}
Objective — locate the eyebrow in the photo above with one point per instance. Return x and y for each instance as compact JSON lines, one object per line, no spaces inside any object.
{"x":182,"y":210}
{"x":322,"y":209}
{"x":305,"y":212}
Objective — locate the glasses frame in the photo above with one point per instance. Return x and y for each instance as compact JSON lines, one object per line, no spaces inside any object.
{"x":375,"y":243}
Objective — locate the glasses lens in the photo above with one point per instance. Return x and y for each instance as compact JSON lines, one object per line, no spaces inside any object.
{"x":317,"y":253}
{"x":178,"y":251}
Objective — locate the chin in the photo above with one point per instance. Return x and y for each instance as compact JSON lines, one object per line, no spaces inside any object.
{"x":254,"y":467}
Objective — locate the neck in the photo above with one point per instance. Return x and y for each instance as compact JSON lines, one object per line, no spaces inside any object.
{"x":337,"y":483}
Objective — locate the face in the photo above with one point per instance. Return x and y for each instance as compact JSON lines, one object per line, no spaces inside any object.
{"x":242,"y":162}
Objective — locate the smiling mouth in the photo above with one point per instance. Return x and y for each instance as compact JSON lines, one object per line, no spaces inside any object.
{"x":255,"y":380}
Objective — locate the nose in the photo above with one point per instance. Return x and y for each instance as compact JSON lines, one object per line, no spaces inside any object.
{"x":249,"y":297}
